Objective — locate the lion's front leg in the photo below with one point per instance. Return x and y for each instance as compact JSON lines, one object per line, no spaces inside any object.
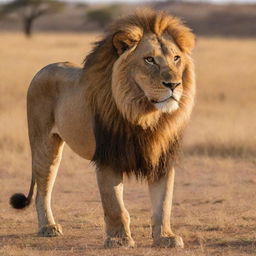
{"x":161,"y":193}
{"x":117,"y":219}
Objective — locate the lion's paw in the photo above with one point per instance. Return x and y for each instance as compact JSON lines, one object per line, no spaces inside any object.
{"x":50,"y":230}
{"x":169,"y":242}
{"x":115,"y":242}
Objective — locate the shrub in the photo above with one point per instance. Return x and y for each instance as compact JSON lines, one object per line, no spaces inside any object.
{"x":103,"y":16}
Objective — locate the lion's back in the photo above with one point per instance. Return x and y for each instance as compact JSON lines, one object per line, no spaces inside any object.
{"x":54,"y":75}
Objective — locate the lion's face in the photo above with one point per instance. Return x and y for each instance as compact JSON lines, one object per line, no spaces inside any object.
{"x":153,"y":72}
{"x":157,"y":68}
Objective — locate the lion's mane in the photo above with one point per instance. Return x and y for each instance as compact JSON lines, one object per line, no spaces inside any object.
{"x":121,"y":141}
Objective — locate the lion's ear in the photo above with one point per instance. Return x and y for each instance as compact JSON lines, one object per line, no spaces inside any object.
{"x":122,"y":41}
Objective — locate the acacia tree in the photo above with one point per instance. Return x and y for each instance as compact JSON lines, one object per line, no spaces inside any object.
{"x":30,"y":10}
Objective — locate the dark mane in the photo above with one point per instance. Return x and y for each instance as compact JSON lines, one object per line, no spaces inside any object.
{"x":126,"y":149}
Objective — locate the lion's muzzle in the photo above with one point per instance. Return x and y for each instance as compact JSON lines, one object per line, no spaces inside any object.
{"x":171,"y":85}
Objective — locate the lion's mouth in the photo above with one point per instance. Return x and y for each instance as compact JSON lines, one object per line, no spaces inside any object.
{"x":165,"y":100}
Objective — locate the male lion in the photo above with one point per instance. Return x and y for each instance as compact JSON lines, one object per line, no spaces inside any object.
{"x":125,"y":110}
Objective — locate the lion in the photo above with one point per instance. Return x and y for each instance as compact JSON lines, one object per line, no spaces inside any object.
{"x":125,"y":110}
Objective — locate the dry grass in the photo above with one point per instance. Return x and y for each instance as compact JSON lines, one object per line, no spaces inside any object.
{"x":214,"y":206}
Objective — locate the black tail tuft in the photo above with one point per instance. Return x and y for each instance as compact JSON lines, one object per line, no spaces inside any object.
{"x":19,"y":201}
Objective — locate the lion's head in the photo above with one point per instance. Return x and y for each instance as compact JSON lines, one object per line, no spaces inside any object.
{"x":154,"y":54}
{"x":146,"y":60}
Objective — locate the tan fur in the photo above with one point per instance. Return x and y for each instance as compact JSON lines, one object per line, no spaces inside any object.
{"x":117,"y":112}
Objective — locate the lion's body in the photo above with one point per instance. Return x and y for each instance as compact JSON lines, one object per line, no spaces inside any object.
{"x":68,"y":114}
{"x":124,"y":111}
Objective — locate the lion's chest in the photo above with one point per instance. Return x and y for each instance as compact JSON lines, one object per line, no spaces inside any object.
{"x":129,"y":150}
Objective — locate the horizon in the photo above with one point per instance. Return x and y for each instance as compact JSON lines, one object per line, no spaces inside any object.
{"x":139,"y":1}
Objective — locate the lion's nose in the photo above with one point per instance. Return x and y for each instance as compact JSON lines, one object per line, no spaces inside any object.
{"x":170,"y":85}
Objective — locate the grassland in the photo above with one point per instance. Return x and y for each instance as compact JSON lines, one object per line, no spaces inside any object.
{"x":214,"y":198}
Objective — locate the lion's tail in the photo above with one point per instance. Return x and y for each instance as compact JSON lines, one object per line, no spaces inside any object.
{"x":19,"y":200}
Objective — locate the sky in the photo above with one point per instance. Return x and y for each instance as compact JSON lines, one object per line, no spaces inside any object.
{"x":134,"y":1}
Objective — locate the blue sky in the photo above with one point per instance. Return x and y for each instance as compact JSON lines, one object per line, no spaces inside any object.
{"x":134,"y":1}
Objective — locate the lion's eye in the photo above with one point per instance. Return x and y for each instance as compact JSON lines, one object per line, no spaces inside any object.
{"x":149,"y":60}
{"x":176,"y":58}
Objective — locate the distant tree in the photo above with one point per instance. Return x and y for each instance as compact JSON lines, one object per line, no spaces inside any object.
{"x":30,"y":10}
{"x":103,"y":16}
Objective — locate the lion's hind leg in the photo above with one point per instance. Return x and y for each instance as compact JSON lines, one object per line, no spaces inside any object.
{"x":46,"y":156}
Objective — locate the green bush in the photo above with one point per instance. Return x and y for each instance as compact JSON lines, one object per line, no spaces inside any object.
{"x":103,"y":16}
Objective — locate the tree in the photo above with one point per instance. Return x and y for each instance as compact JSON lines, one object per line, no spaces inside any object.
{"x":103,"y":16}
{"x":30,"y":10}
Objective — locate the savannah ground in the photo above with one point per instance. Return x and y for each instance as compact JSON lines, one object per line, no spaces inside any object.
{"x":215,"y":188}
